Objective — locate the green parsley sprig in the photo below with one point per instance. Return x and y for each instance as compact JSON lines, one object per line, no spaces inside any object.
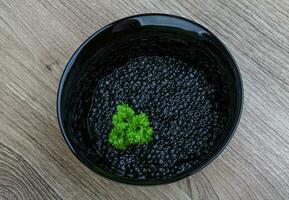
{"x":129,"y":128}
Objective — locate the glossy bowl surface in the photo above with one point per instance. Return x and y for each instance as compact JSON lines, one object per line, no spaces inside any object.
{"x":146,"y":34}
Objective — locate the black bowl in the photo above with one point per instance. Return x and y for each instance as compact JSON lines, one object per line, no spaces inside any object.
{"x":144,"y":35}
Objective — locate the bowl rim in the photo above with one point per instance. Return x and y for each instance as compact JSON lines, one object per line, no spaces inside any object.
{"x":204,"y":164}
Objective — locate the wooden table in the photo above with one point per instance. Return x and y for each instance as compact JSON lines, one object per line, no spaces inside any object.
{"x":37,"y":37}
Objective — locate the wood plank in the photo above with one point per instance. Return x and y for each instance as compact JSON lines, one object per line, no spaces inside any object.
{"x":37,"y":37}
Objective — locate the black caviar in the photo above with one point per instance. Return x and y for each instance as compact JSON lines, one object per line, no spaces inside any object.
{"x":182,"y":109}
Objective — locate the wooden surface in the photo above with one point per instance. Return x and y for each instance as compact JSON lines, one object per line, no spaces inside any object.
{"x":37,"y":37}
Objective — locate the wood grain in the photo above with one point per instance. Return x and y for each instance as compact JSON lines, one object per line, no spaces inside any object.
{"x":37,"y":37}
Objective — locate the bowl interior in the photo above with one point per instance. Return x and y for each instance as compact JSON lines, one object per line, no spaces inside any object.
{"x":145,"y":35}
